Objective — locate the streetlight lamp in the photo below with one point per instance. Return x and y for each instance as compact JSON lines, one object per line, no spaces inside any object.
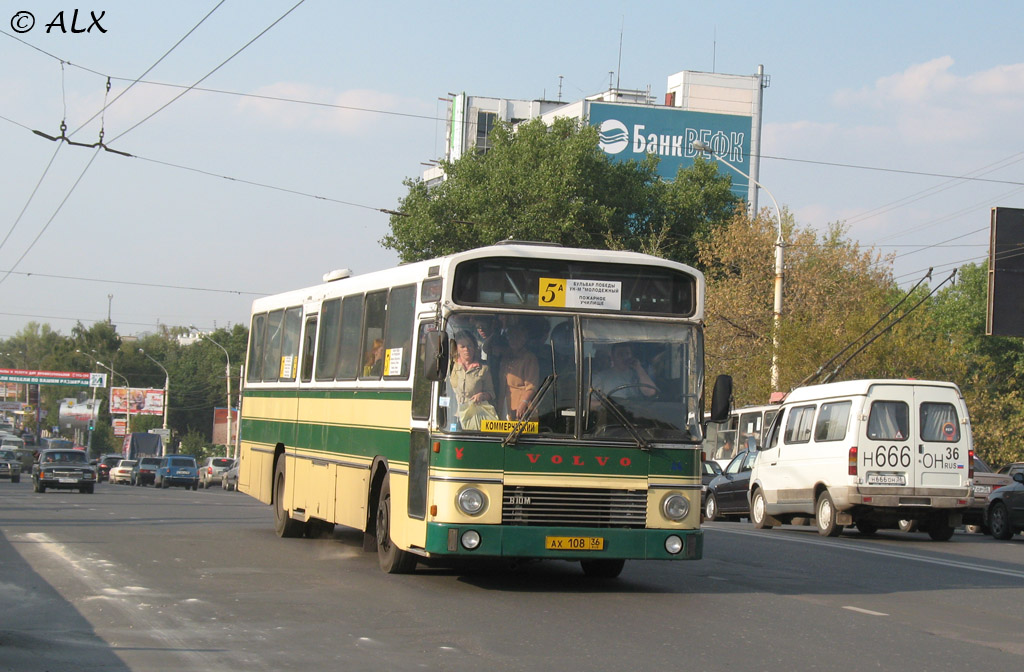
{"x":227,"y":442}
{"x":167,"y":383}
{"x":702,"y":146}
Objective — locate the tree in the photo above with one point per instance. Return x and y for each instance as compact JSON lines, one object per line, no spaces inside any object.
{"x":554,"y":184}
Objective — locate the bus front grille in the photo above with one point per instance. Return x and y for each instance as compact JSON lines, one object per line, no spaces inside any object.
{"x":575,"y":507}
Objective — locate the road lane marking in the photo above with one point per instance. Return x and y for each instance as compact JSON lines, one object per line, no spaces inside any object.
{"x":866,"y":611}
{"x":953,"y":564}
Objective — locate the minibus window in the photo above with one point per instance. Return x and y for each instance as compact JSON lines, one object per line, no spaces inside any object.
{"x":798,"y":428}
{"x":832,"y":421}
{"x":889,"y":420}
{"x":939,"y":422}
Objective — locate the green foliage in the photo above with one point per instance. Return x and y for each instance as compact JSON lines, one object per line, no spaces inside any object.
{"x":554,"y":184}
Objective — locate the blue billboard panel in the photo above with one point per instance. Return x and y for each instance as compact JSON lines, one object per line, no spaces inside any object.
{"x":633,"y":131}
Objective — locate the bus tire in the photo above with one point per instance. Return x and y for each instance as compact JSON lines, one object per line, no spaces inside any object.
{"x":866,"y":527}
{"x":393,"y":560}
{"x":940,"y":531}
{"x":604,"y":568}
{"x":284,"y":524}
{"x":825,"y":516}
{"x":759,"y":511}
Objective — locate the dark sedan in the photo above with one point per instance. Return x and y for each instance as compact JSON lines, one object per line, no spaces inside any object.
{"x":711,"y":470}
{"x":63,"y":470}
{"x":1005,"y":512}
{"x":727,"y":494}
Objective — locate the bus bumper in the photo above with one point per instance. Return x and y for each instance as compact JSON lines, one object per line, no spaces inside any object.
{"x":530,"y":542}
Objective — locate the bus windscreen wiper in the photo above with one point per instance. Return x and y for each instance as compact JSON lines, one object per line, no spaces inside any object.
{"x":613,"y":408}
{"x":521,"y":423}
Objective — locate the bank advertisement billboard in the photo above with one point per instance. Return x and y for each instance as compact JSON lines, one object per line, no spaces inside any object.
{"x":143,"y":401}
{"x":633,"y":131}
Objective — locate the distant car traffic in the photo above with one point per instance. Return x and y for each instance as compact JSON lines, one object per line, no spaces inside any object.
{"x":10,"y":465}
{"x":105,"y":464}
{"x":1005,"y":512}
{"x":177,"y":470}
{"x":211,"y":469}
{"x":63,"y":469}
{"x":1012,"y":468}
{"x":144,"y":472}
{"x":727,"y":493}
{"x":122,"y":473}
{"x":229,"y":479}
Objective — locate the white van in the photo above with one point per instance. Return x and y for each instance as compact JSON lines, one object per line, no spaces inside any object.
{"x":867,"y":453}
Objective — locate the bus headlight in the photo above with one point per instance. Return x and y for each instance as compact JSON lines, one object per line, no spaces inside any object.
{"x":675,"y":507}
{"x":471,"y":501}
{"x":673,"y":544}
{"x":470,"y":540}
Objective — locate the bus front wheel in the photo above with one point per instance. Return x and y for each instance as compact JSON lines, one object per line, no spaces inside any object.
{"x":393,"y":560}
{"x":605,"y":568}
{"x":284,"y":524}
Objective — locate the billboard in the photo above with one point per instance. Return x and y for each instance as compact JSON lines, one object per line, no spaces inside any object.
{"x":143,"y":401}
{"x":220,"y":425}
{"x":633,"y":131}
{"x":1005,"y":315}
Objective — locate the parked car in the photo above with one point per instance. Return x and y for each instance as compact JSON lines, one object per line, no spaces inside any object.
{"x":144,"y":472}
{"x":63,"y":469}
{"x":985,"y":483}
{"x":710,"y":470}
{"x":122,"y":473}
{"x":1005,"y":513}
{"x":177,"y":470}
{"x":29,"y":438}
{"x":105,"y":464}
{"x":1012,"y":468}
{"x":727,"y":494}
{"x":10,"y":465}
{"x":211,"y":469}
{"x":229,"y":479}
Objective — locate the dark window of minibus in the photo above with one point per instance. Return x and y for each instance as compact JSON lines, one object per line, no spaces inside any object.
{"x":308,"y":341}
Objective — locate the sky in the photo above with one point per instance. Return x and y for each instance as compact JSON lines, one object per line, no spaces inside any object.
{"x":901,"y":119}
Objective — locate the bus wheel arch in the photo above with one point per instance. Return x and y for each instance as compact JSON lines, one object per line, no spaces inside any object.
{"x":284,"y":524}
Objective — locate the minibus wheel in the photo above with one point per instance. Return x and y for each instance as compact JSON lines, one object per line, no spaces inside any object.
{"x":826,"y":516}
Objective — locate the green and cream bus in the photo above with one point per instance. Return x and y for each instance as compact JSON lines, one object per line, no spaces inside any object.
{"x":516,"y":401}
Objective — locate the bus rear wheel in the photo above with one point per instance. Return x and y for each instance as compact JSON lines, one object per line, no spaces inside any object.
{"x":284,"y":524}
{"x":393,"y":560}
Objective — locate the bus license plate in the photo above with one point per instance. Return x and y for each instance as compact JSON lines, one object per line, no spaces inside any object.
{"x":574,"y":543}
{"x":887,"y":479}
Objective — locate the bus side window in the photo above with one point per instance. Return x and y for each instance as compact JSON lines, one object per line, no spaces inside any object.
{"x":255,"y":372}
{"x":351,"y":327}
{"x":272,"y":345}
{"x":398,"y":338}
{"x":308,"y":342}
{"x":288,"y":362}
{"x":329,"y":344}
{"x":374,"y":316}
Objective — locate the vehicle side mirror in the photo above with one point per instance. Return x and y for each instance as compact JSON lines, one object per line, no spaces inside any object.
{"x":435,"y":356}
{"x":721,"y":399}
{"x":1019,"y":477}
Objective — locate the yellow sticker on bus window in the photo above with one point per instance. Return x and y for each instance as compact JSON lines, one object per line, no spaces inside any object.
{"x":506,"y":426}
{"x":552,"y":293}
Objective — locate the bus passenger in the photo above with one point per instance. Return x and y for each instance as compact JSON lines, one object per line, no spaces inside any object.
{"x":520,"y":374}
{"x":471,"y":384}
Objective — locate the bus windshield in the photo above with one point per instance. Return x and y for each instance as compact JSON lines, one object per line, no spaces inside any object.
{"x":584,"y":377}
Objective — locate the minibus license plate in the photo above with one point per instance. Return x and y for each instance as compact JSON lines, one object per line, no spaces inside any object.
{"x":574,"y":543}
{"x":887,"y":479}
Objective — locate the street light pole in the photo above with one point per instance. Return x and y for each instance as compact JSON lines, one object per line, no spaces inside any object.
{"x":167,"y":382}
{"x":127,"y":397}
{"x":228,"y":443}
{"x":701,"y":146}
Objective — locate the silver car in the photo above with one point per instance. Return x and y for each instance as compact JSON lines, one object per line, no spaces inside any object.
{"x":211,"y":469}
{"x":10,"y":465}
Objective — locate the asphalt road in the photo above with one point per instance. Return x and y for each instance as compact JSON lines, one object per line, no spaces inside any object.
{"x":143,"y":579}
